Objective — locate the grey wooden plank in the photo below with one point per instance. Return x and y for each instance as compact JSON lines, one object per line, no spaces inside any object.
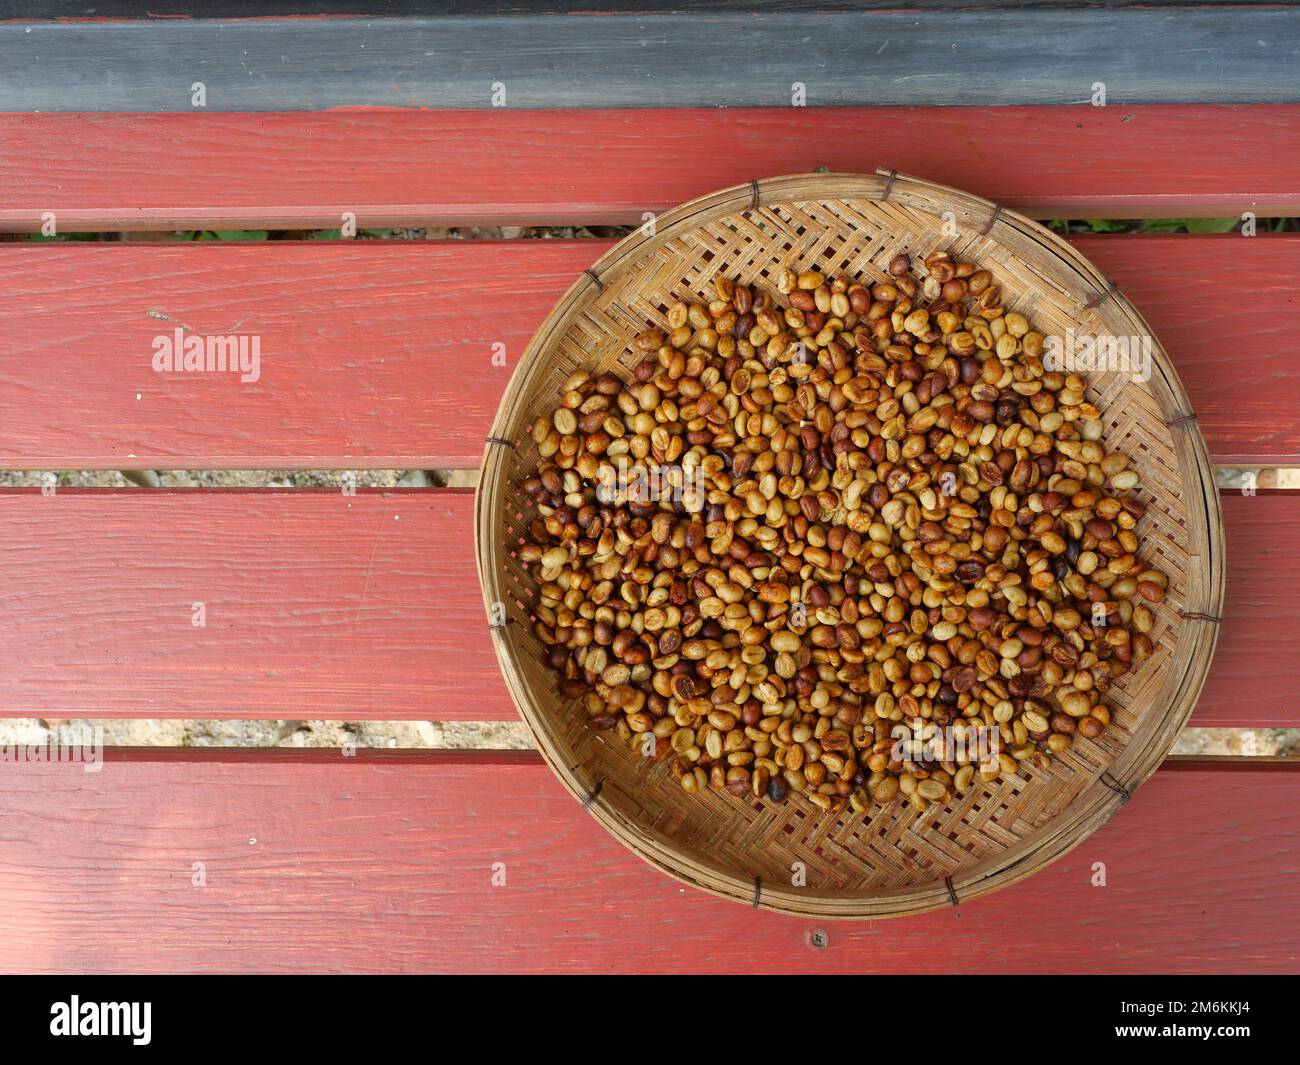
{"x":991,"y":57}
{"x":144,"y":9}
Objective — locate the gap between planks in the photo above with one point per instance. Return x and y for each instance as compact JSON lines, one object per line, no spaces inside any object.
{"x":1228,"y":478}
{"x":524,"y":757}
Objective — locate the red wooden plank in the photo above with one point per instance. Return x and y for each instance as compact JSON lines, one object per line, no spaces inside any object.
{"x":380,"y":354}
{"x":139,"y":171}
{"x":380,"y":866}
{"x":320,"y":605}
{"x":316,"y":604}
{"x":371,"y":354}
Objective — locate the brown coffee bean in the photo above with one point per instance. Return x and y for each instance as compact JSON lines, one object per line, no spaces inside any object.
{"x":1090,"y":727}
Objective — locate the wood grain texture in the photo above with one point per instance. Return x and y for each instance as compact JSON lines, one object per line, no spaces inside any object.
{"x":320,"y":605}
{"x":369,"y":351}
{"x":317,"y":604}
{"x":414,"y":168}
{"x":1194,"y":54}
{"x":386,"y":865}
{"x":380,"y":354}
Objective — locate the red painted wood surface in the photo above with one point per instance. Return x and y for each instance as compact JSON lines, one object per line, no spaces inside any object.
{"x":140,"y":171}
{"x":319,"y":605}
{"x":377,"y":355}
{"x":332,"y":864}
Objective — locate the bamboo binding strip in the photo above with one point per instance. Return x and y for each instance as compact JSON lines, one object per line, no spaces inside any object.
{"x":886,"y":861}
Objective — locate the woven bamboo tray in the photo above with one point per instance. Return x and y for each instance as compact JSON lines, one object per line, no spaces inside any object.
{"x":888,"y":860}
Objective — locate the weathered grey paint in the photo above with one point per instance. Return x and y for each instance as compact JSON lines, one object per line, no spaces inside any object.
{"x":991,"y":57}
